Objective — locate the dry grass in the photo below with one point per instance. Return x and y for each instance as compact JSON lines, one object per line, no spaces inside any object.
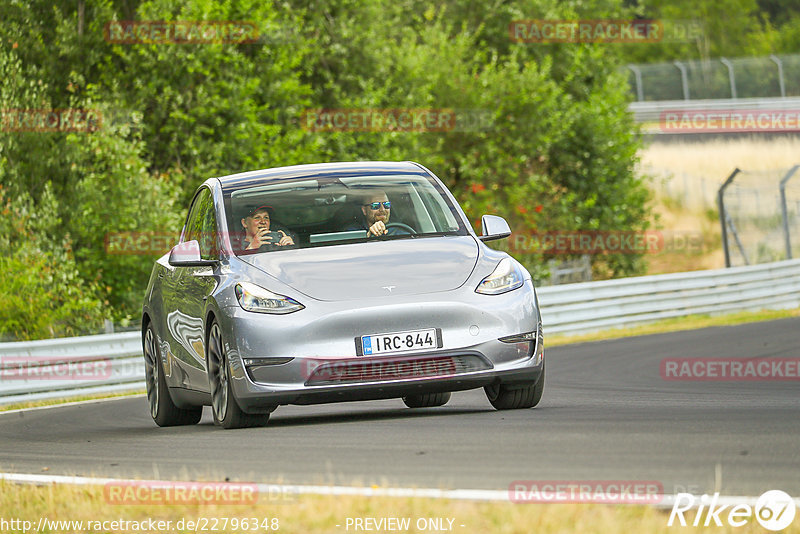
{"x":321,"y":514}
{"x":62,"y":401}
{"x":691,"y":172}
{"x":699,"y":227}
{"x":715,"y":160}
{"x":685,"y":177}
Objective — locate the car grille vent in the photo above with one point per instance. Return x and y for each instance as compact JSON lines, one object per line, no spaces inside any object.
{"x":392,"y":369}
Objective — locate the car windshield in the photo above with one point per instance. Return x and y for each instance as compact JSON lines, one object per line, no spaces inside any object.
{"x":330,"y":211}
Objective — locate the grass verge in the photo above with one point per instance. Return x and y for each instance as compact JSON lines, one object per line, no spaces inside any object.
{"x":323,"y":514}
{"x":81,"y":398}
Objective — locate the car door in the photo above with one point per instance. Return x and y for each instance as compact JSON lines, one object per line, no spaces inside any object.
{"x":190,"y":289}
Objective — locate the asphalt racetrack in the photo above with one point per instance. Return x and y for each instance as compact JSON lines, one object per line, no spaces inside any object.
{"x":607,"y":414}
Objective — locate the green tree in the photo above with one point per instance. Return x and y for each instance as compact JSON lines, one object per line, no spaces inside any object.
{"x":543,"y":136}
{"x":559,"y":147}
{"x":213,"y":109}
{"x":99,"y":181}
{"x":41,"y":288}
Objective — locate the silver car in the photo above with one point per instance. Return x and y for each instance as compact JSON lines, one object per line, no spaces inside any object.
{"x":335,"y":282}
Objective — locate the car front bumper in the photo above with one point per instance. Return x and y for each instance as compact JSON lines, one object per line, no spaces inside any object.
{"x":311,"y":356}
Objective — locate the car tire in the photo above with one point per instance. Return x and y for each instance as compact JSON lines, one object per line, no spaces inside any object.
{"x":504,"y":398}
{"x":428,"y":400}
{"x":227,"y":412}
{"x":163,"y":411}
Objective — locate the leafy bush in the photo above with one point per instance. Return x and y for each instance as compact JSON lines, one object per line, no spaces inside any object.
{"x":554,"y":147}
{"x":41,"y":288}
{"x":559,"y":147}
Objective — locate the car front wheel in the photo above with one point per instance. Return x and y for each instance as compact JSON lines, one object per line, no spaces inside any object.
{"x":504,"y":398}
{"x":226,"y":410}
{"x":162,"y":409}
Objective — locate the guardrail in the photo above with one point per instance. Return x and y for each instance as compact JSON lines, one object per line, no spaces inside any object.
{"x":648,"y":112}
{"x":67,"y":367}
{"x":60,"y":368}
{"x":593,"y":306}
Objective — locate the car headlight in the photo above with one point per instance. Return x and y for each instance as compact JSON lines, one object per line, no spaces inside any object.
{"x":505,"y":277}
{"x":257,"y":299}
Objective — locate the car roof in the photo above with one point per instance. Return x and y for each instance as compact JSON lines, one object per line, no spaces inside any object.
{"x":356,"y":168}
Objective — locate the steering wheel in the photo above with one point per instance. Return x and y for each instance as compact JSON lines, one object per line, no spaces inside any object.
{"x":402,"y":226}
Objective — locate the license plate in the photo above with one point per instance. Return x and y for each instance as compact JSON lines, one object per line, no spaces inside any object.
{"x":399,"y":342}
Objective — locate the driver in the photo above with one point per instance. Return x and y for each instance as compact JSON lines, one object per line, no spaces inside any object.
{"x":376,"y":209}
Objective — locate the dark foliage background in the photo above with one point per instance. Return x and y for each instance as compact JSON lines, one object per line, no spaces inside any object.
{"x":558,"y":154}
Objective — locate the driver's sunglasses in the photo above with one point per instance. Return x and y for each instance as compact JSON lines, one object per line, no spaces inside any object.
{"x":377,"y":205}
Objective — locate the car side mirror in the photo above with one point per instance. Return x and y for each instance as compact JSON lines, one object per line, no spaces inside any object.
{"x":187,"y":254}
{"x":494,"y":227}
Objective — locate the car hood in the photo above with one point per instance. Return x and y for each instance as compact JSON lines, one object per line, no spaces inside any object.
{"x":373,"y":269}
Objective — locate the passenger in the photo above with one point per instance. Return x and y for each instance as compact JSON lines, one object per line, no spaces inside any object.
{"x":257,"y":227}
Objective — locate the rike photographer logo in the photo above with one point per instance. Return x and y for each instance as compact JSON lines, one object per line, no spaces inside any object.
{"x":774,"y":510}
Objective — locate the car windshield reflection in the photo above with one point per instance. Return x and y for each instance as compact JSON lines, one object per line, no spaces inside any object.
{"x":323,"y":212}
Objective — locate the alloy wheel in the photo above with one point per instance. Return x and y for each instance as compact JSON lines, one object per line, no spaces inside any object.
{"x":219,"y":373}
{"x":151,"y":364}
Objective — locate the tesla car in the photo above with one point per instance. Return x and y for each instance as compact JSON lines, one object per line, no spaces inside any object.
{"x":282,"y":290}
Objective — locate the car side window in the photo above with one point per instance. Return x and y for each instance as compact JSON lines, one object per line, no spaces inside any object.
{"x":202,"y":225}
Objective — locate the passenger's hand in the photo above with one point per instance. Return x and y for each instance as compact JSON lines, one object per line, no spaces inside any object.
{"x":261,"y":238}
{"x":264,"y":237}
{"x":285,"y":240}
{"x":377,"y":229}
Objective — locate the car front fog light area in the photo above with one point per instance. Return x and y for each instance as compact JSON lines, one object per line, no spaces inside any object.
{"x":526,"y":340}
{"x":506,"y":276}
{"x":257,"y":299}
{"x":532,"y":341}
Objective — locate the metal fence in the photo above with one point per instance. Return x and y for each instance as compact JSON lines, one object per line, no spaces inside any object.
{"x":760,"y":216}
{"x":569,"y":271}
{"x":61,"y":368}
{"x":759,"y":77}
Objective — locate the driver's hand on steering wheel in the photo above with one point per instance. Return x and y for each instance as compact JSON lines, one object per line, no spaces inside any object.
{"x":377,"y":229}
